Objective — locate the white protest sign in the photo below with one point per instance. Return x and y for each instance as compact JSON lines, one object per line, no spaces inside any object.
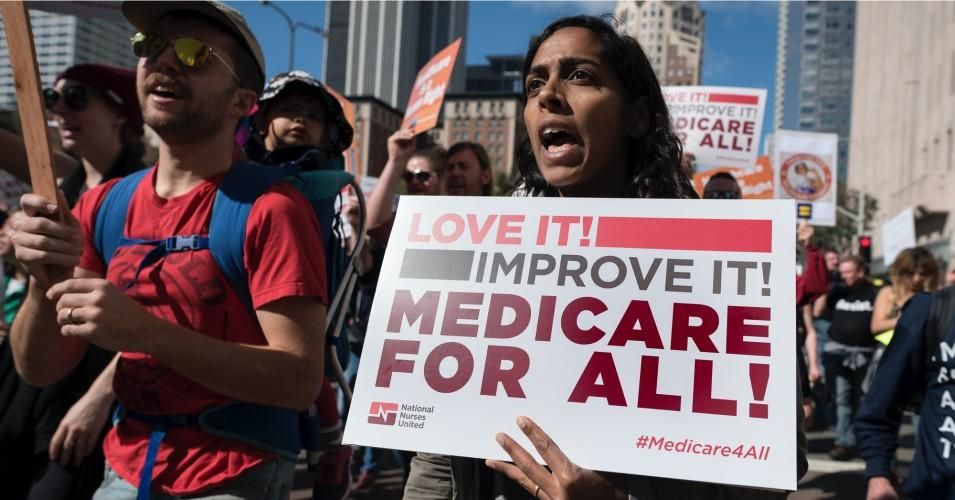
{"x":898,"y":233}
{"x":719,"y":126}
{"x":643,"y":343}
{"x":805,"y":165}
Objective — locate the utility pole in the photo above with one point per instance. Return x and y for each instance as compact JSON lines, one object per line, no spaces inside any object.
{"x":292,"y":25}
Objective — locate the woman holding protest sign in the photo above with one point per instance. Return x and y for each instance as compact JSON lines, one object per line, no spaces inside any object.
{"x":597,"y":127}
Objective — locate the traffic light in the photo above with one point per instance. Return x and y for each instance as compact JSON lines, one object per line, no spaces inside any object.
{"x":865,"y":248}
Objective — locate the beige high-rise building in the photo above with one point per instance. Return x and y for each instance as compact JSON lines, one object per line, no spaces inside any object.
{"x":375,"y":121}
{"x":495,"y":121}
{"x":671,"y":34}
{"x":903,"y":116}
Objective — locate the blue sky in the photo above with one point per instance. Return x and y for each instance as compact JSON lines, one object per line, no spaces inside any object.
{"x":739,"y":47}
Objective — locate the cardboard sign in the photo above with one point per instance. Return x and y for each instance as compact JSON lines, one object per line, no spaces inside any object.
{"x":898,"y":233}
{"x":652,"y":337}
{"x":756,"y":184}
{"x":353,"y":153}
{"x":427,"y":94}
{"x":806,"y":172}
{"x":719,"y":126}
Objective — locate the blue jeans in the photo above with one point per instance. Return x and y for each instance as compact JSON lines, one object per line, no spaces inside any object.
{"x":271,"y":480}
{"x":846,"y":382}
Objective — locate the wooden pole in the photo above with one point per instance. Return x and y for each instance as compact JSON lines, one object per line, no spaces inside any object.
{"x":26,"y":78}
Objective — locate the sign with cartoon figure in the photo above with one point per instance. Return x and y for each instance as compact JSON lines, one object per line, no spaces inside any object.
{"x":805,"y":171}
{"x":641,"y":321}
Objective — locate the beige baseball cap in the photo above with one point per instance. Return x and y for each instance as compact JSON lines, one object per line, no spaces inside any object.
{"x":143,"y":15}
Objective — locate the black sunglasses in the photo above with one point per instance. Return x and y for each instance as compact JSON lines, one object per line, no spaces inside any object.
{"x":721,"y":195}
{"x":75,"y":97}
{"x":421,"y":176}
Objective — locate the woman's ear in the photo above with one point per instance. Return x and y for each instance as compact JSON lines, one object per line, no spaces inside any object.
{"x":639,"y":123}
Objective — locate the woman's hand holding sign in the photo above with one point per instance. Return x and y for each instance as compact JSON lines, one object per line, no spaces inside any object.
{"x":565,"y":480}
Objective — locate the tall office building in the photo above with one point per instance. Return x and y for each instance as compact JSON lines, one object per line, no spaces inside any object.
{"x":376,"y":48}
{"x":903,"y":116}
{"x":62,"y":41}
{"x":814,"y":56}
{"x":671,"y":34}
{"x":500,"y":74}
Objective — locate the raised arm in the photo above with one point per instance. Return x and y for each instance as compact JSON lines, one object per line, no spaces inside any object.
{"x":381,"y":199}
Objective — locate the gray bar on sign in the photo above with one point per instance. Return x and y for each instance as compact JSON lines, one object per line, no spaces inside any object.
{"x":437,"y":264}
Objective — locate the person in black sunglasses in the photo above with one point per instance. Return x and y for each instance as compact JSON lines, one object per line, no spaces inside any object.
{"x":422,"y":172}
{"x":50,"y":444}
{"x":99,"y":120}
{"x":722,"y":186}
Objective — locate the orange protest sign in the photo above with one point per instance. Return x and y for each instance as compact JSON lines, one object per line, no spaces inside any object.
{"x":756,"y":184}
{"x":353,"y":153}
{"x":427,"y":94}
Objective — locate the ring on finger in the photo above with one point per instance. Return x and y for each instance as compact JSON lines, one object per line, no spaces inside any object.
{"x":68,"y":444}
{"x":537,"y":492}
{"x":69,"y":316}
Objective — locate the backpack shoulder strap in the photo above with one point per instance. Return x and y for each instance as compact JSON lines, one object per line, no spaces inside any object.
{"x":110,"y":223}
{"x":940,"y":316}
{"x":242,"y":185}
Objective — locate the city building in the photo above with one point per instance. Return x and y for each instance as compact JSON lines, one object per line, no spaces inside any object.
{"x":376,"y":48}
{"x":814,"y":56}
{"x":671,"y":34}
{"x":501,"y":74}
{"x":495,"y":121}
{"x":375,"y":121}
{"x":903,"y":115}
{"x":63,"y":40}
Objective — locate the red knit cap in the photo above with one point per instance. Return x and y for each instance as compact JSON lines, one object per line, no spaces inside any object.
{"x":118,"y":86}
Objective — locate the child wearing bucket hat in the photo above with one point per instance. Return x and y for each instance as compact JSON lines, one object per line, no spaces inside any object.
{"x":297,"y":114}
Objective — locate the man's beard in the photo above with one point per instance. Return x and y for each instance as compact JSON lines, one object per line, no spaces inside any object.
{"x":200,"y":120}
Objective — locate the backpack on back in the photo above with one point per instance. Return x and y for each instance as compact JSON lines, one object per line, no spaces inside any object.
{"x":280,"y":430}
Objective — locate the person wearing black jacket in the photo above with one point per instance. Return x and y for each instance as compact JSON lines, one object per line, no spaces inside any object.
{"x":920,"y":359}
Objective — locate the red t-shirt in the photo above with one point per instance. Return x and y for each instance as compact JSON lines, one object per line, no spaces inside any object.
{"x":283,"y":258}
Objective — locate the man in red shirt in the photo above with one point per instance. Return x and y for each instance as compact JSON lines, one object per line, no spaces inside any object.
{"x":188,"y":341}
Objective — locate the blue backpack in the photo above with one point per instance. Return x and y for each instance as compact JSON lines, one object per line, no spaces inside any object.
{"x":280,"y":430}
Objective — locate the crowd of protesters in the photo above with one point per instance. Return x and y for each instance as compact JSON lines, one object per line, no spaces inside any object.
{"x":153,"y":330}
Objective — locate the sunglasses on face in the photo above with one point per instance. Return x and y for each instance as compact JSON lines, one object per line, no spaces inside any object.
{"x":75,"y":97}
{"x":421,"y":176}
{"x":721,"y":195}
{"x":190,"y":51}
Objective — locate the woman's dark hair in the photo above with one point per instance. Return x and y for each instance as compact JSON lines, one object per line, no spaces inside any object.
{"x":653,"y":160}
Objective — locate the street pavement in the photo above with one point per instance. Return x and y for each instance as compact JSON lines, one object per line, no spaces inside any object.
{"x":826,"y":479}
{"x":829,"y":478}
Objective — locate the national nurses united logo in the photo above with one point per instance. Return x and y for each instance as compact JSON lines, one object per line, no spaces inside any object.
{"x":805,"y":177}
{"x":382,"y":413}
